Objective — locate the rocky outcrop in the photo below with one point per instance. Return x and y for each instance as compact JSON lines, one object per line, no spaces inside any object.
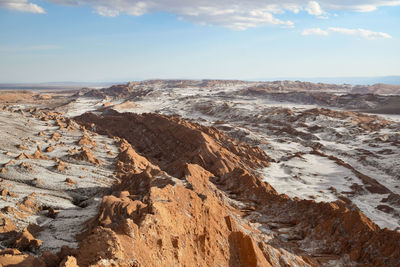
{"x":26,"y":239}
{"x":38,"y":154}
{"x":86,"y":141}
{"x":170,"y":142}
{"x":209,"y":212}
{"x":190,"y":195}
{"x":86,"y":154}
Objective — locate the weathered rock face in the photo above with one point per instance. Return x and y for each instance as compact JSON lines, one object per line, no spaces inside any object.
{"x":153,"y":219}
{"x":189,"y":195}
{"x":218,"y":212}
{"x":170,"y":142}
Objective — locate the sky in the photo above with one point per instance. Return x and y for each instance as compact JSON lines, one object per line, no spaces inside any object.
{"x":123,"y":40}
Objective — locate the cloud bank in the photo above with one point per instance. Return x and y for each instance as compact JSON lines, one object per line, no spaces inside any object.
{"x":367,"y":34}
{"x":22,"y":6}
{"x":233,"y":14}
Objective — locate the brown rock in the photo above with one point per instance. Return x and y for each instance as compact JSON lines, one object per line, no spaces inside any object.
{"x":70,"y":261}
{"x":172,"y":143}
{"x":385,"y":208}
{"x":23,"y":156}
{"x":87,"y":141}
{"x":49,"y":149}
{"x":86,"y":155}
{"x":56,"y":136}
{"x":26,"y":167}
{"x":22,"y":147}
{"x":50,"y":259}
{"x":39,"y":155}
{"x":13,"y":257}
{"x":246,"y":251}
{"x":70,"y":181}
{"x":28,"y":204}
{"x":11,"y":162}
{"x":52,"y":213}
{"x":182,"y":142}
{"x":6,"y":225}
{"x":61,"y":165}
{"x":5,"y":193}
{"x":26,"y":240}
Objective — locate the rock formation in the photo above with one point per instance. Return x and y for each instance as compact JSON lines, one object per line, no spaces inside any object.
{"x":153,"y":189}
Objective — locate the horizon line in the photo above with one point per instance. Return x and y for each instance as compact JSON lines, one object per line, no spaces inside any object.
{"x":282,"y":78}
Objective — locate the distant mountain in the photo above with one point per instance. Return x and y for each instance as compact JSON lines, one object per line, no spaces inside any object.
{"x":53,"y":85}
{"x":379,"y":88}
{"x":393,"y":80}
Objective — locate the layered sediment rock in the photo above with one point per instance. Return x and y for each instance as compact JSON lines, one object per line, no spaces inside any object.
{"x":210,"y":212}
{"x":190,"y":195}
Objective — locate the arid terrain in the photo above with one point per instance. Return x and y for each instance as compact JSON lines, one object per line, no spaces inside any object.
{"x":201,"y":173}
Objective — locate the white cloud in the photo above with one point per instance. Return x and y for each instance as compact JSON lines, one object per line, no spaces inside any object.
{"x":234,"y":14}
{"x":106,"y":12}
{"x":22,"y":6}
{"x":314,"y":31}
{"x":367,"y":34}
{"x":313,"y":8}
{"x":359,"y":5}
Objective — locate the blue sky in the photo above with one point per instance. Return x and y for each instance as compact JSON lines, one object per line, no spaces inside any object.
{"x":97,"y":41}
